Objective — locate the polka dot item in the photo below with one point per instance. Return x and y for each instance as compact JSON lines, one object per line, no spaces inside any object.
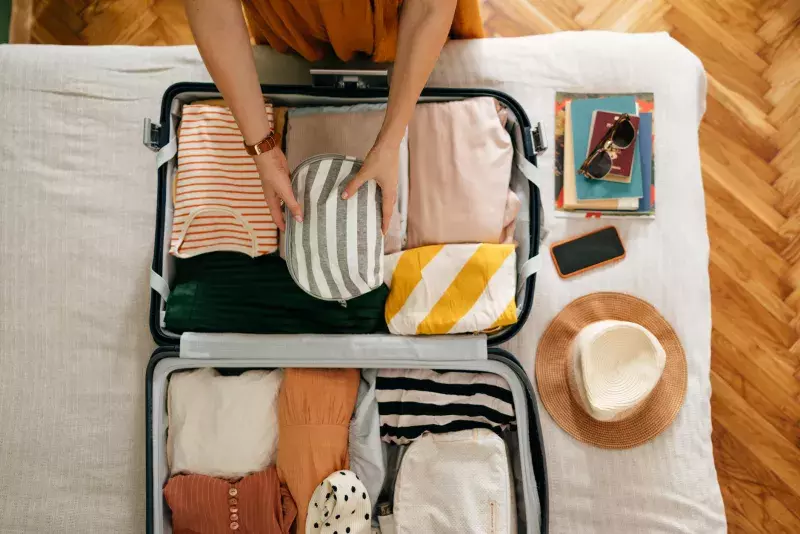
{"x":340,"y":505}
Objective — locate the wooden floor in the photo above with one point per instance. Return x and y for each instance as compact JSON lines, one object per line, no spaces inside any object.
{"x":750,"y":144}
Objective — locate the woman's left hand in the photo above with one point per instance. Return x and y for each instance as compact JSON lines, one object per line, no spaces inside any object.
{"x":380,"y":165}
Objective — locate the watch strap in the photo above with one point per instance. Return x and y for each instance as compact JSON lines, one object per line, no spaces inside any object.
{"x":265,"y":145}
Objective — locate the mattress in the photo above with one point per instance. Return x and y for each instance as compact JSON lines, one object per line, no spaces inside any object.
{"x":77,"y":211}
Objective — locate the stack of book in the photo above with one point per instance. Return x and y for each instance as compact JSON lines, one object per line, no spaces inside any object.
{"x":628,"y":190}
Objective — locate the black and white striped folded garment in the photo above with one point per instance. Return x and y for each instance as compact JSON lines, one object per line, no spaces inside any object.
{"x":412,"y":402}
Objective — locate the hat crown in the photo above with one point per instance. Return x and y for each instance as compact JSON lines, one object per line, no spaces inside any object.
{"x":620,"y":364}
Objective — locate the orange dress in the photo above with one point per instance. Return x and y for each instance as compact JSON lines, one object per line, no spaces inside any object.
{"x":314,"y":411}
{"x":313,"y":27}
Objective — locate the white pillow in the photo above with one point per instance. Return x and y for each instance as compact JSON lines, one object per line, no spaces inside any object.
{"x":222,"y":426}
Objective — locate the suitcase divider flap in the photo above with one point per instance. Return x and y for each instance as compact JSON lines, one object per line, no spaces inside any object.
{"x":332,"y":348}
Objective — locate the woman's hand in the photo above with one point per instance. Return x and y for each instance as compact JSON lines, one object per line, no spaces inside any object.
{"x":274,"y":173}
{"x":379,"y":165}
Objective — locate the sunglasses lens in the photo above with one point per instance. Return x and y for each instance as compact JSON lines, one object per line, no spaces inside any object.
{"x":624,"y":135}
{"x":599,"y":166}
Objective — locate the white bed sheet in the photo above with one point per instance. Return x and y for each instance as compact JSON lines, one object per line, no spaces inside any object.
{"x":77,"y":208}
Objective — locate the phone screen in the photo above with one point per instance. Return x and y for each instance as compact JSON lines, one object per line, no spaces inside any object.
{"x":586,"y":251}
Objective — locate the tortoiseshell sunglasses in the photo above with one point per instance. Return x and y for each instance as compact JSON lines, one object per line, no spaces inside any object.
{"x":619,"y":137}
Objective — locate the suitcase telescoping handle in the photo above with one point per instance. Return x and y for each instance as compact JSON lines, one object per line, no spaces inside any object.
{"x":350,"y":79}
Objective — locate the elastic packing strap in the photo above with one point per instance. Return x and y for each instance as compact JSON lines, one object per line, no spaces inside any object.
{"x":167,"y":152}
{"x":533,"y":265}
{"x":170,"y":150}
{"x":159,"y":285}
{"x":527,"y":168}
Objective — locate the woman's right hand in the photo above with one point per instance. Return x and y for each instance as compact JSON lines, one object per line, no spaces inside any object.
{"x":274,"y":173}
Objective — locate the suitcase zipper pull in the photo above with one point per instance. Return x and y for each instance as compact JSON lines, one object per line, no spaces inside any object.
{"x":343,"y":303}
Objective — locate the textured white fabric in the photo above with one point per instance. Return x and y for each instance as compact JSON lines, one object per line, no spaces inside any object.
{"x":222,"y":426}
{"x":616,"y":364}
{"x":77,"y":213}
{"x":455,"y":483}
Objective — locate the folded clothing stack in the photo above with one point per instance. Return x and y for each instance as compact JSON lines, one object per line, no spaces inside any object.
{"x":217,"y":195}
{"x":454,"y":473}
{"x":229,"y":292}
{"x":246,"y":452}
{"x":261,"y":450}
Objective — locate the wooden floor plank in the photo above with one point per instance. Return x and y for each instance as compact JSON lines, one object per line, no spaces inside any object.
{"x":719,"y":216}
{"x":760,"y":384}
{"x":776,"y":453}
{"x":768,"y":504}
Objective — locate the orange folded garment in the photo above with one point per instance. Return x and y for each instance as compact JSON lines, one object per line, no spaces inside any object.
{"x":206,"y":505}
{"x":314,"y":411}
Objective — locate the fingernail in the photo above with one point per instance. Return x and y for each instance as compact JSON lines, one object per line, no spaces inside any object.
{"x":345,"y":195}
{"x":298,"y":218}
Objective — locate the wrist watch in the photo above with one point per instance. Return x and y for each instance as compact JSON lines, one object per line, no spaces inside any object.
{"x":265,"y":145}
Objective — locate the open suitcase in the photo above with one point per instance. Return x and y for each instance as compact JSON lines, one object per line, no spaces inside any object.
{"x":238,"y":352}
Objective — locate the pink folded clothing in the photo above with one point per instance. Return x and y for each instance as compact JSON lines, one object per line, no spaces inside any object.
{"x":460,"y":167}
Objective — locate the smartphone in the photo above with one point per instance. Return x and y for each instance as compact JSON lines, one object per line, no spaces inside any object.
{"x":579,"y":254}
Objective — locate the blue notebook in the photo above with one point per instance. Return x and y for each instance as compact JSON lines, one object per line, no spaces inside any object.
{"x":646,"y":153}
{"x":582,"y":111}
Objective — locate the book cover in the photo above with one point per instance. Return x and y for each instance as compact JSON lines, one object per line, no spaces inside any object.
{"x":571,"y":201}
{"x":647,"y":202}
{"x":621,"y":159}
{"x":645,"y":104}
{"x":582,"y":111}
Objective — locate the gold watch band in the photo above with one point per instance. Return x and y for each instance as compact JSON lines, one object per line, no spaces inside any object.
{"x":265,"y":145}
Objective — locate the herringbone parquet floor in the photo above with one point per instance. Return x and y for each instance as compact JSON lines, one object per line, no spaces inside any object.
{"x":750,"y":144}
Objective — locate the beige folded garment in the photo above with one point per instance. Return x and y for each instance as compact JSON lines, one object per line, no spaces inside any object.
{"x":350,"y":131}
{"x":460,"y":168}
{"x":222,"y":426}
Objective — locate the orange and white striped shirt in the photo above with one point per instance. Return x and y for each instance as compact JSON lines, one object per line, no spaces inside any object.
{"x":217,"y":195}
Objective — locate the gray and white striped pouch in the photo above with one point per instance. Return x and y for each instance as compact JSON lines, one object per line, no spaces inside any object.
{"x":336,"y":253}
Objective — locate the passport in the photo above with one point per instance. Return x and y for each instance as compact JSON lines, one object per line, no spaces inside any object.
{"x":622,"y":160}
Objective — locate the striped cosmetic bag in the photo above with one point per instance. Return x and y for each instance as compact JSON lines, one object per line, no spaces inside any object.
{"x":217,"y":195}
{"x":336,"y":253}
{"x":451,"y":289}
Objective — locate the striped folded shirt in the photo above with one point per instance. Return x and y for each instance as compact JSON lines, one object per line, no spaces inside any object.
{"x":451,"y":289}
{"x":412,"y":402}
{"x":217,"y":195}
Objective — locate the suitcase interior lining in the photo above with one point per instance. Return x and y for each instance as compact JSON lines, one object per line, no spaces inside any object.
{"x":528,"y":506}
{"x":519,"y":181}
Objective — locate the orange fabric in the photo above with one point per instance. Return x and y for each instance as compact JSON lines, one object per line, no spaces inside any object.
{"x":206,"y":505}
{"x":314,"y":411}
{"x":313,"y":27}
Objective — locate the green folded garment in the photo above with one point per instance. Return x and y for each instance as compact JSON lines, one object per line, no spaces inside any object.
{"x":231,"y":292}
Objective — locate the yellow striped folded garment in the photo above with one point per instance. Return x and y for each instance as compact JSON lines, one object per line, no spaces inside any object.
{"x":217,"y":194}
{"x":451,"y":289}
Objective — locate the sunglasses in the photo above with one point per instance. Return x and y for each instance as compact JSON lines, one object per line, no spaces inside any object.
{"x":619,"y":137}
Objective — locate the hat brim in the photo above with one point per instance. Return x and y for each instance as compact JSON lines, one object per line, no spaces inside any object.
{"x":552,"y":372}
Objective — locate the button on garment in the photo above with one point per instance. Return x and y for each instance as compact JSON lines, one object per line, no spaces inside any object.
{"x":314,"y":411}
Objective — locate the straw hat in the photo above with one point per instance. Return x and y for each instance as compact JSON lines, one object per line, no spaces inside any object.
{"x":611,"y":371}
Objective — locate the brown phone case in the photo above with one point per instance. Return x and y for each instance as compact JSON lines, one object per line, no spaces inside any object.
{"x":589,"y":268}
